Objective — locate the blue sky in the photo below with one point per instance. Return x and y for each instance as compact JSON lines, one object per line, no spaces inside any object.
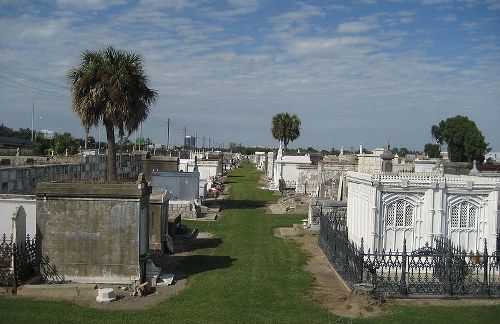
{"x":353,"y":71}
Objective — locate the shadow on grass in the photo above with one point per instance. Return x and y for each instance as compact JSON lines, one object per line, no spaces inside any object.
{"x":196,"y":244}
{"x":193,"y":264}
{"x":244,"y":204}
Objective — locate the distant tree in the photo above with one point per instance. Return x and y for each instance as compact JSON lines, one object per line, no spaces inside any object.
{"x":124,"y":144}
{"x":395,"y":151}
{"x":6,"y":131}
{"x":111,"y":86}
{"x":63,"y":142}
{"x":403,"y":152}
{"x":91,"y":143}
{"x":465,"y":141}
{"x":432,"y":150}
{"x":43,"y":145}
{"x":285,"y":128}
{"x":311,"y":149}
{"x":24,"y":133}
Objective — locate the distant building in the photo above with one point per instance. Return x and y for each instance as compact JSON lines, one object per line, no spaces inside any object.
{"x":190,"y":141}
{"x":47,"y":134}
{"x":495,"y":156}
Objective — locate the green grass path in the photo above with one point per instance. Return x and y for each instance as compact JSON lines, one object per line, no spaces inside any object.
{"x":250,"y":277}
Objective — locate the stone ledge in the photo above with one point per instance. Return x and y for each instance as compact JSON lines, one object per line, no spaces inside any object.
{"x":91,"y":190}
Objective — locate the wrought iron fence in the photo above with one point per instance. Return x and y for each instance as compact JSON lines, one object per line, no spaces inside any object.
{"x":438,"y":269}
{"x":17,"y":261}
{"x":342,"y":253}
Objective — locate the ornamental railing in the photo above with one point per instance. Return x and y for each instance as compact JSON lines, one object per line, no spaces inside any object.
{"x":17,"y":261}
{"x":442,"y":269}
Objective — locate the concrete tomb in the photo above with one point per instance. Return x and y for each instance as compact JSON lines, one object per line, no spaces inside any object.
{"x":94,"y":232}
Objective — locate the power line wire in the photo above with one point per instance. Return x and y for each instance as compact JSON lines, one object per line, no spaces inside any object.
{"x":30,"y":77}
{"x":19,"y":84}
{"x":42,"y":92}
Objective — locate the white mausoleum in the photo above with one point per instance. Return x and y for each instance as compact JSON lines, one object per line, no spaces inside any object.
{"x":386,"y":208}
{"x":287,"y":168}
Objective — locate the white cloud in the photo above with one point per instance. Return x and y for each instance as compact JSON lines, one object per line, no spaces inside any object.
{"x":235,"y":8}
{"x":449,"y":18}
{"x":90,"y":4}
{"x":493,"y":4}
{"x":290,"y":23}
{"x":372,"y":86}
{"x":354,"y":27}
{"x":327,"y":45}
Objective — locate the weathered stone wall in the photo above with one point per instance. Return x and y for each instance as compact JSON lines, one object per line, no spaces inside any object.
{"x":159,"y":163}
{"x":94,"y":233}
{"x":187,"y":209}
{"x":22,"y":180}
{"x":323,"y":180}
{"x":158,"y":220}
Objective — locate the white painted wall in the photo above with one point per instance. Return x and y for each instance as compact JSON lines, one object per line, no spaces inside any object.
{"x":207,"y":169}
{"x":285,"y":167}
{"x":431,"y":200}
{"x":8,"y":205}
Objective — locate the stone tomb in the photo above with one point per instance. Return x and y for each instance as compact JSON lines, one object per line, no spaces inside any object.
{"x":158,"y":220}
{"x":94,"y":232}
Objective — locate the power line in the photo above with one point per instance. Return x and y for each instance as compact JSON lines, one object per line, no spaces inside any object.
{"x":34,"y":91}
{"x":19,"y":86}
{"x":30,"y":77}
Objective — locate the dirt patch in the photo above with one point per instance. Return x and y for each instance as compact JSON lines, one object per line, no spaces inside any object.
{"x":330,"y":290}
{"x":85,"y":294}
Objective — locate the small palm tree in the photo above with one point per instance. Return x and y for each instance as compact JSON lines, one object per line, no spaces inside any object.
{"x":111,"y":86}
{"x":285,"y":128}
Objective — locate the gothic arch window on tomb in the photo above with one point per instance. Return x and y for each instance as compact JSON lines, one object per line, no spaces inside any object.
{"x":400,"y":214}
{"x":463,"y":216}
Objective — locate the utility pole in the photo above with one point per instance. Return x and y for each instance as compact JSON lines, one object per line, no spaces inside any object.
{"x":209,"y":143}
{"x":204,"y":138}
{"x":196,"y":141}
{"x":33,"y":122}
{"x":168,"y":133}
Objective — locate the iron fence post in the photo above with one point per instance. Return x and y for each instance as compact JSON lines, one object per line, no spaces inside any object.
{"x":448,"y":288}
{"x":360,"y":261}
{"x":403,"y":289}
{"x":346,"y":256}
{"x":486,"y":284}
{"x":14,"y":269}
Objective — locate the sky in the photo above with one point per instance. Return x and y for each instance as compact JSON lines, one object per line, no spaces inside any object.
{"x":361,"y":71}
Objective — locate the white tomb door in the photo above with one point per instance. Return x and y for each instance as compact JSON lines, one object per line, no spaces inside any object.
{"x":463,"y":224}
{"x":399,"y":219}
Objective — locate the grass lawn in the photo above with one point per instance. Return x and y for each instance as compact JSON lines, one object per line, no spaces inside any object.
{"x":251,"y":276}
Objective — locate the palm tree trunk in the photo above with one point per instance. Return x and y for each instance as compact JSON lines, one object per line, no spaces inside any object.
{"x":110,"y":136}
{"x":86,"y":136}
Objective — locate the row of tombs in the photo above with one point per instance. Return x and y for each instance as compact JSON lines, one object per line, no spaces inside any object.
{"x":103,"y":232}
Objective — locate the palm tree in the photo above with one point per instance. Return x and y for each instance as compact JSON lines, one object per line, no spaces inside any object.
{"x":111,"y":86}
{"x":286,"y":128}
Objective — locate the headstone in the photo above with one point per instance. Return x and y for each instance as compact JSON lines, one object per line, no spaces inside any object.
{"x":19,"y":225}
